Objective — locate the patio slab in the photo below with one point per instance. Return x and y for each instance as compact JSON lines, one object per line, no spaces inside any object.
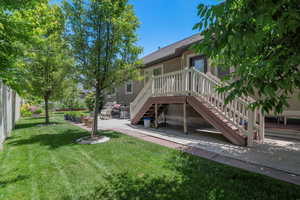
{"x":276,"y":153}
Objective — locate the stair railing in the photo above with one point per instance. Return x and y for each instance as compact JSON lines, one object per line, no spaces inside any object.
{"x":192,"y":82}
{"x":237,"y":112}
{"x":141,"y":99}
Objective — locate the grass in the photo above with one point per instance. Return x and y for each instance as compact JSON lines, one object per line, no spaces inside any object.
{"x":43,"y":162}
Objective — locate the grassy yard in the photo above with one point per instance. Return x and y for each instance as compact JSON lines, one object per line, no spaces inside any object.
{"x":43,"y":162}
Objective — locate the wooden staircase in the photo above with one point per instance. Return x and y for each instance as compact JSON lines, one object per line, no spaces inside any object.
{"x":210,"y":114}
{"x":235,"y":120}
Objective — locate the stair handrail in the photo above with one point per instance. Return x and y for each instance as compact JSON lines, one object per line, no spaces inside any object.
{"x":141,"y":99}
{"x":237,"y":112}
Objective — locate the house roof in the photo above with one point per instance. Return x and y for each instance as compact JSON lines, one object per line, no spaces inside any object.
{"x":172,"y":50}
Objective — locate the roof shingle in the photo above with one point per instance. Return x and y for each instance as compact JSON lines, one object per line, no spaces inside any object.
{"x":170,"y":50}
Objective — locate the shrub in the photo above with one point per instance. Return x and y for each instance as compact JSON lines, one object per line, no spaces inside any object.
{"x":38,"y":111}
{"x":73,"y":115}
{"x":25,"y":110}
{"x":35,"y":110}
{"x":90,"y":101}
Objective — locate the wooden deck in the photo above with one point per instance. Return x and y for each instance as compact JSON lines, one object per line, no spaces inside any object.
{"x":235,"y":120}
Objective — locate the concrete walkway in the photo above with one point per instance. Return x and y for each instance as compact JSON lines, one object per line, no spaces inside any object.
{"x":279,"y":158}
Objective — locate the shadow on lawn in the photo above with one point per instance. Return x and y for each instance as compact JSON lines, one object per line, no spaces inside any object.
{"x":11,"y":181}
{"x":36,"y":124}
{"x":195,"y":179}
{"x":66,"y":137}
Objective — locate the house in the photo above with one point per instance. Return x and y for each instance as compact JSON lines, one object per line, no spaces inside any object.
{"x":178,"y":89}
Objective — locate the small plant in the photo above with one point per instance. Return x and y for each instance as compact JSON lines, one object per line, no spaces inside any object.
{"x":25,"y":110}
{"x":75,"y":116}
{"x":38,"y":111}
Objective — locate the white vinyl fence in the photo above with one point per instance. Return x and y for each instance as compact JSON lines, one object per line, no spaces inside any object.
{"x":10,"y":104}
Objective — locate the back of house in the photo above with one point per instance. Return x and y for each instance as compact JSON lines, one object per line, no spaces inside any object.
{"x":167,"y":66}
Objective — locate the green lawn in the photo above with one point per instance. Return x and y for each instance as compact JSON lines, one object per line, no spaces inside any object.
{"x":43,"y":162}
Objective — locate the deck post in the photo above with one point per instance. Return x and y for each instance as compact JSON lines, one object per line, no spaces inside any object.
{"x":262,"y":125}
{"x":153,"y":88}
{"x":250,"y":128}
{"x":156,"y":116}
{"x":184,"y":119}
{"x":285,"y":120}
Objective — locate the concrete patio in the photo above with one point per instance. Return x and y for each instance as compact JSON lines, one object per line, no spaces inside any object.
{"x":276,"y":153}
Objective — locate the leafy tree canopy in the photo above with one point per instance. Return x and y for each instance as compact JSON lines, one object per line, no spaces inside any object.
{"x":14,"y":29}
{"x":103,"y":39}
{"x":261,"y":40}
{"x":47,"y":58}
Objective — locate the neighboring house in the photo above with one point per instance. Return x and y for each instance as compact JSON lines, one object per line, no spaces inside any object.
{"x":178,"y":88}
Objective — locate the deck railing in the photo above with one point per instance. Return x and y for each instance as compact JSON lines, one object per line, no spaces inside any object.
{"x":191,"y":82}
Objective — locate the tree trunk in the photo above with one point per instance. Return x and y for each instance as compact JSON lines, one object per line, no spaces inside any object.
{"x":96,"y":110}
{"x":46,"y":99}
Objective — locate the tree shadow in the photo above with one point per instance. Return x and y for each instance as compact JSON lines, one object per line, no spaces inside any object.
{"x":13,"y":180}
{"x":194,"y":178}
{"x":212,"y":180}
{"x":110,"y":134}
{"x":64,"y":138}
{"x":53,"y":141}
{"x":35,"y":124}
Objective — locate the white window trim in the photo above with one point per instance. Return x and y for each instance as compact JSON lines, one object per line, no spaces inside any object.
{"x":189,"y":56}
{"x":126,"y":92}
{"x":188,"y":59}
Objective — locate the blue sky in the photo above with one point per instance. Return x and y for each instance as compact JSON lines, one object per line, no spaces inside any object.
{"x":165,"y":21}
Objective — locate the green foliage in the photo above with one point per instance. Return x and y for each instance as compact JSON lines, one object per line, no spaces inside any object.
{"x":37,"y":111}
{"x":15,"y":29}
{"x":261,"y":40}
{"x":103,"y":39}
{"x":47,"y":59}
{"x":25,"y":110}
{"x":70,"y":96}
{"x":90,"y":101}
{"x":77,"y":114}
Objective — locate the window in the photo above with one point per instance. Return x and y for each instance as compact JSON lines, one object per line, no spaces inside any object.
{"x":129,"y":87}
{"x":199,"y":63}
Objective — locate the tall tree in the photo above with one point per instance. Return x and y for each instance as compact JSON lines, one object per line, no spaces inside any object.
{"x":102,"y":35}
{"x":261,"y":40}
{"x":47,"y":59}
{"x":14,"y":29}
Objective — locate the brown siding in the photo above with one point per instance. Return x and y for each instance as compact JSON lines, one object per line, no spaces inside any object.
{"x":294,"y":102}
{"x":172,"y":65}
{"x":126,"y":99}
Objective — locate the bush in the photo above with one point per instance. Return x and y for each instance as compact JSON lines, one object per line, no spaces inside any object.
{"x":25,"y":110}
{"x":38,"y":111}
{"x":90,"y":101}
{"x":75,"y":115}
